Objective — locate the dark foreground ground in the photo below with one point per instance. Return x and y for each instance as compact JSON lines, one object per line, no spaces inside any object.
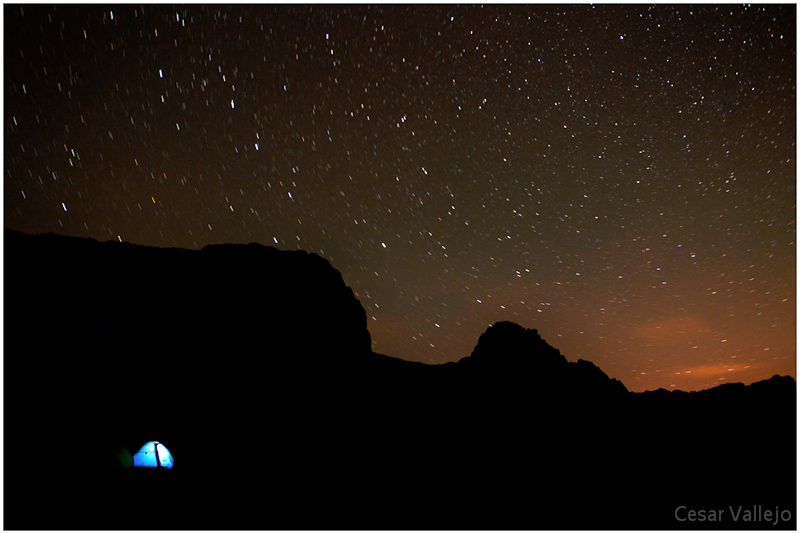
{"x":280,"y":417}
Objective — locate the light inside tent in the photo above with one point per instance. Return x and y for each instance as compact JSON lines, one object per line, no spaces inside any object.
{"x":153,"y":454}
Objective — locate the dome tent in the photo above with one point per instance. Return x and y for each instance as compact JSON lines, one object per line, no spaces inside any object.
{"x":153,"y":454}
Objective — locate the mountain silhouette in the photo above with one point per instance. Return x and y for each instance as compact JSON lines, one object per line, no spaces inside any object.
{"x":254,"y":367}
{"x":516,"y":352}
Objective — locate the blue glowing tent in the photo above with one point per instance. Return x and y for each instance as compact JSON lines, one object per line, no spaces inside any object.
{"x":153,"y":454}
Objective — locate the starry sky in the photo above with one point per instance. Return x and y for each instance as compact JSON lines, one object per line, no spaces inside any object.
{"x":621,"y":178}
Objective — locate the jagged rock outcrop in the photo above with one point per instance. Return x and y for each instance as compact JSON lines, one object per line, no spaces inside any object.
{"x":246,"y":301}
{"x":528,"y":363}
{"x":506,"y":345}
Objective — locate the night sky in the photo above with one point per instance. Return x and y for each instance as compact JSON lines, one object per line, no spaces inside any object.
{"x":621,"y":178}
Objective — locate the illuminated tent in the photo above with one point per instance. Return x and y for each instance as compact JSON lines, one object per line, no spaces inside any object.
{"x":153,"y":454}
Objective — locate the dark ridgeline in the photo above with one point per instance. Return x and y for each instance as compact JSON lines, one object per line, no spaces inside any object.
{"x":254,"y":367}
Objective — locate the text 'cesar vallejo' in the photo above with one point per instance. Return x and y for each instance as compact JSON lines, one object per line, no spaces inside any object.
{"x":754,"y":514}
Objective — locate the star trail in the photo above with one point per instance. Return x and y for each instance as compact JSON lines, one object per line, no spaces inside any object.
{"x":621,"y":178}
